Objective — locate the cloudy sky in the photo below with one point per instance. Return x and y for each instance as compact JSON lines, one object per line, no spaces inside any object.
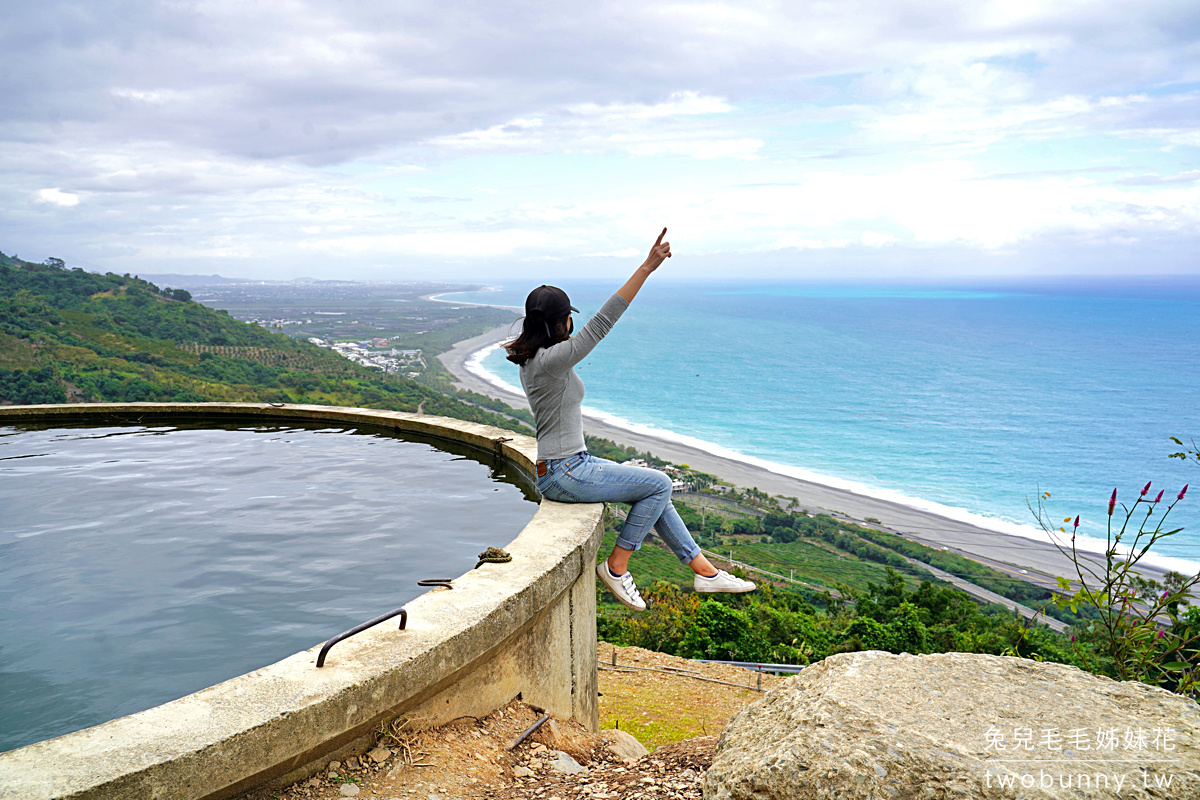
{"x":417,"y":139}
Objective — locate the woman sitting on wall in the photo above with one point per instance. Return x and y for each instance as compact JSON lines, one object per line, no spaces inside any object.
{"x":547,"y":355}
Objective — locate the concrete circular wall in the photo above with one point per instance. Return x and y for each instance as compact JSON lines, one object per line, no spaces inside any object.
{"x":527,"y":627}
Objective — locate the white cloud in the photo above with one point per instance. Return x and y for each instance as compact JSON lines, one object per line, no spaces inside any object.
{"x":442,"y":244}
{"x":152,"y":96}
{"x":932,"y":204}
{"x":678,"y":104}
{"x":699,"y":148}
{"x":642,"y":129}
{"x":628,"y":252}
{"x":874,"y":239}
{"x":791,"y":240}
{"x":517,"y":133}
{"x":57,"y":197}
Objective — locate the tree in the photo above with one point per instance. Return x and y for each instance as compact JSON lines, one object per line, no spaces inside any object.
{"x":725,"y":634}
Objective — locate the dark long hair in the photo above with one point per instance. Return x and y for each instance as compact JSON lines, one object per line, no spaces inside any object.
{"x":536,"y":333}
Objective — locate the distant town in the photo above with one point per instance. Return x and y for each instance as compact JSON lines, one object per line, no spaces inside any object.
{"x":391,"y":326}
{"x":378,"y":353}
{"x":677,"y":482}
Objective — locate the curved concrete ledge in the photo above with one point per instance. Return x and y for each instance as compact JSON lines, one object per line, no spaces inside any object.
{"x":526,"y":627}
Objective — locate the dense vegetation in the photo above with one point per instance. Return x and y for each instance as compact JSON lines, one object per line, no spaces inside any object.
{"x":874,"y":607}
{"x":67,"y":335}
{"x":786,"y":627}
{"x":845,"y":587}
{"x":797,"y":624}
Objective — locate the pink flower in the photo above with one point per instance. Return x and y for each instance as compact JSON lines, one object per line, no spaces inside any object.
{"x":1159,"y":635}
{"x":1076,"y":520}
{"x":1112,"y":502}
{"x":1160,"y":494}
{"x":1072,"y":638}
{"x":1182,"y":492}
{"x":1145,"y":489}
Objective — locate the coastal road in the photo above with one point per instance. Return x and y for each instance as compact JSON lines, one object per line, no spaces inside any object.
{"x":1029,"y":575}
{"x":1032,"y":575}
{"x":977,"y":593}
{"x":983,"y":595}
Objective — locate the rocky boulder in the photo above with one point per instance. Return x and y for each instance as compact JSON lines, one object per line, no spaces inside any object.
{"x":960,"y":725}
{"x":624,"y":746}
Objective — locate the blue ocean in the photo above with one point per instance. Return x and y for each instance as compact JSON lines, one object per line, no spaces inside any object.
{"x":966,"y":401}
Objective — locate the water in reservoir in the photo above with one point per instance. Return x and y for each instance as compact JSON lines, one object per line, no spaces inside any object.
{"x":141,"y":563}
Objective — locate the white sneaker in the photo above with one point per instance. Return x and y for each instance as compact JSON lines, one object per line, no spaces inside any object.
{"x":622,"y":588}
{"x":722,"y":582}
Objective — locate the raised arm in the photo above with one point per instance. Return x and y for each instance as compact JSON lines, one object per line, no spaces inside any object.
{"x":558,"y":358}
{"x":561,"y":357}
{"x":660,"y":252}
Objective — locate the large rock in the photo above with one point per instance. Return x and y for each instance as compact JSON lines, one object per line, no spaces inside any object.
{"x":623,"y":745}
{"x":564,"y":763}
{"x":961,"y":725}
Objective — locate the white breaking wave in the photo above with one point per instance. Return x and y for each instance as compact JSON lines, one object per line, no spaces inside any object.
{"x":474,"y":365}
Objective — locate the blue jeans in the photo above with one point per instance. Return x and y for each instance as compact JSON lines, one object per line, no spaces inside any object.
{"x":584,"y":478}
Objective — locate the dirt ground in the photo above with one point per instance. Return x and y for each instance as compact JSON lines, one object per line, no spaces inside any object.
{"x":661,"y":700}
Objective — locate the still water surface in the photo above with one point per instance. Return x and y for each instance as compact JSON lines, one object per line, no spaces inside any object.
{"x":139,"y":564}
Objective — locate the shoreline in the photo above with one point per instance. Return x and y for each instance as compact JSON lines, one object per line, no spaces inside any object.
{"x":1010,"y":553}
{"x":437,"y":298}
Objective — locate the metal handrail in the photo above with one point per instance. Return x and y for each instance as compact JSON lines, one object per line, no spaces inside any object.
{"x":755,"y":665}
{"x":359,"y":629}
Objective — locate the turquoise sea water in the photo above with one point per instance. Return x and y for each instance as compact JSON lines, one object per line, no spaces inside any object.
{"x":964,"y":401}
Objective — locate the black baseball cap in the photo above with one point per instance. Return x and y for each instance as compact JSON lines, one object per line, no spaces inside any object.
{"x":549,"y":301}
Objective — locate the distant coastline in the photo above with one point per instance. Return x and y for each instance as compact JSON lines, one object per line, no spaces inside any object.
{"x":437,"y":298}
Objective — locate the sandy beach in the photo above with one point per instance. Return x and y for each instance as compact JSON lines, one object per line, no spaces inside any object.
{"x":1028,"y":558}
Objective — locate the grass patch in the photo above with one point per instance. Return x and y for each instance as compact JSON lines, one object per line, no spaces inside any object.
{"x":660,"y":709}
{"x":816,"y":562}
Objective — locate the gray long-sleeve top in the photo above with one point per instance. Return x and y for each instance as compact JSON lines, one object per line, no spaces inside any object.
{"x":555,"y":392}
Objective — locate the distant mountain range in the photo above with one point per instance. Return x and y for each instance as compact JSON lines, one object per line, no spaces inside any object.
{"x":175,"y":279}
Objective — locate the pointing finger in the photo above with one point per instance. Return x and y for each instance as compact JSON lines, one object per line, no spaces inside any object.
{"x":659,"y":241}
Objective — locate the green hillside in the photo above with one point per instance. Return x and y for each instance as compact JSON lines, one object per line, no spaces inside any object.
{"x":67,"y":335}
